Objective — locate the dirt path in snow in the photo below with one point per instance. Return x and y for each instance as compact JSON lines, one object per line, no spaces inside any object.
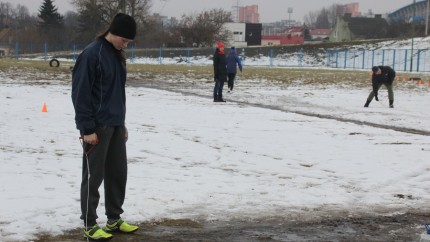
{"x":402,"y":227}
{"x":196,"y":89}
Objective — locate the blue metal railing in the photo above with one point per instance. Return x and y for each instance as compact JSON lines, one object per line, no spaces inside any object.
{"x":415,"y":60}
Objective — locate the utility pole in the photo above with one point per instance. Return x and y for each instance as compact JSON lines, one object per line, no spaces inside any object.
{"x":123,"y":6}
{"x":290,"y":11}
{"x":236,"y":11}
{"x":427,"y":17}
{"x":413,"y":34}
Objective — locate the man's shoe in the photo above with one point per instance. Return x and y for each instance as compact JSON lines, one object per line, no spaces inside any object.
{"x":391,"y":106}
{"x":96,"y":233}
{"x":366,"y":105}
{"x":121,"y":226}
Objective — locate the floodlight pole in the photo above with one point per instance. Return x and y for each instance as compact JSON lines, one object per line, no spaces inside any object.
{"x":237,"y":11}
{"x":413,"y":35}
{"x":427,"y":17}
{"x":290,"y":11}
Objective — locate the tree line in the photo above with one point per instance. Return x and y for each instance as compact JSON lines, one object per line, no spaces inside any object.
{"x":92,"y":17}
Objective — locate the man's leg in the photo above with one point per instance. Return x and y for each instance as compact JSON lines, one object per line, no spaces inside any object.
{"x":115,"y":174}
{"x":216,"y":91}
{"x":92,"y":177}
{"x":370,"y":97}
{"x":115,"y":182}
{"x":221,"y":86}
{"x":233,"y":78}
{"x":390,"y":95}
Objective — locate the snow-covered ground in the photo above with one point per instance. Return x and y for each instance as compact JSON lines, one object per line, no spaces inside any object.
{"x":192,"y":158}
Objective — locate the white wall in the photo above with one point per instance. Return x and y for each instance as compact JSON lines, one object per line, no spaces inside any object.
{"x":238,"y":34}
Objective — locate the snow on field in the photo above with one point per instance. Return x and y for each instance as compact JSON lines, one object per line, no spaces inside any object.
{"x":192,"y":158}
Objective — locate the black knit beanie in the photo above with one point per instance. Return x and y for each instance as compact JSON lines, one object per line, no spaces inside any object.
{"x":123,"y":25}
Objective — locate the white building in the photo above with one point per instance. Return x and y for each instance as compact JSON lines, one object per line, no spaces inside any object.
{"x":244,"y":34}
{"x":237,"y":39}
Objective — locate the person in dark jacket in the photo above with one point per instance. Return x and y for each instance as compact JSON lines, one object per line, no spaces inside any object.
{"x":232,"y":62}
{"x":98,"y":96}
{"x":220,"y":72}
{"x":382,"y":75}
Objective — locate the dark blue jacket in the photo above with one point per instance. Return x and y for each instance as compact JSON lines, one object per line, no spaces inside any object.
{"x":233,"y":61}
{"x":220,"y":66}
{"x":386,"y":77}
{"x":98,"y":87}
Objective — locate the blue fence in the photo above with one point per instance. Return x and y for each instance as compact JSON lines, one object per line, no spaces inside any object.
{"x":416,"y":60}
{"x":400,"y":59}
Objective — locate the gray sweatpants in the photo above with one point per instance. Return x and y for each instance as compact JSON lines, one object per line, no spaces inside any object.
{"x":390,"y":92}
{"x":106,"y":162}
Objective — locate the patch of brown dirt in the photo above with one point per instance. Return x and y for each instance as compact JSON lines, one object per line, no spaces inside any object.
{"x":402,"y":227}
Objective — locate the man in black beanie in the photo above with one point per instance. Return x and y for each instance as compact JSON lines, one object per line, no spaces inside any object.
{"x":98,"y":96}
{"x":123,"y":25}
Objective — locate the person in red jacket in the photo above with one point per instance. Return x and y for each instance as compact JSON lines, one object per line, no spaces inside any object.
{"x":220,"y":71}
{"x":382,"y":75}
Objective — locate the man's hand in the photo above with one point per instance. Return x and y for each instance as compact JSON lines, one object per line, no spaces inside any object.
{"x":126,"y":134}
{"x":91,"y":139}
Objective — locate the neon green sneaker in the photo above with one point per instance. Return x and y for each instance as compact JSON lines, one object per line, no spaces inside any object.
{"x":96,"y":233}
{"x":121,"y":226}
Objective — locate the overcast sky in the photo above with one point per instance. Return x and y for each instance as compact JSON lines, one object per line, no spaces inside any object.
{"x":270,"y":10}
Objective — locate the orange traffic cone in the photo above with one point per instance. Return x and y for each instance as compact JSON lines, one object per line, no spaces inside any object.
{"x":44,"y":109}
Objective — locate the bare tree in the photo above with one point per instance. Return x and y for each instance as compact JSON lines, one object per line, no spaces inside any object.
{"x":139,"y":9}
{"x":324,"y":18}
{"x":5,"y":14}
{"x":106,"y":9}
{"x":95,"y":15}
{"x":25,"y":25}
{"x":90,"y":20}
{"x":22,"y":15}
{"x":311,"y":18}
{"x":71,"y":24}
{"x":204,"y":29}
{"x":332,"y":14}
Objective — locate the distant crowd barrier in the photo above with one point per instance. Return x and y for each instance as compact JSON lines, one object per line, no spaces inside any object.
{"x":413,"y":60}
{"x":400,"y":59}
